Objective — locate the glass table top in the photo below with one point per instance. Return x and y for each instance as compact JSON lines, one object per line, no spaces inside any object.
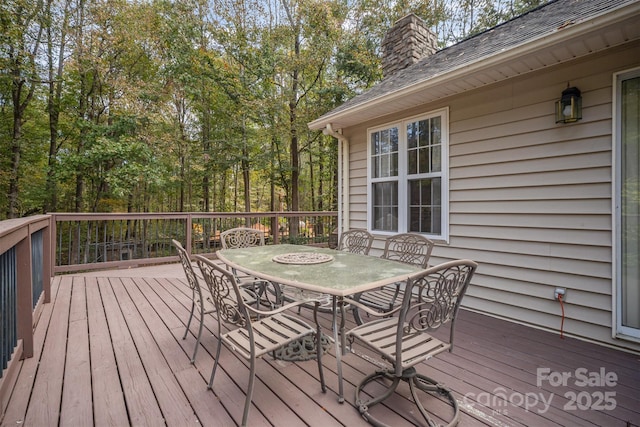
{"x":317,"y":269}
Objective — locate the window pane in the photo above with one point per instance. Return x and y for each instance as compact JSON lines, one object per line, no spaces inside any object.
{"x":384,"y":141}
{"x":393,"y":169}
{"x":413,"y":162}
{"x":436,"y":144}
{"x":393,"y":139}
{"x":384,"y":166}
{"x":377,"y":194}
{"x":424,"y":133}
{"x":436,"y":191}
{"x":436,"y":158}
{"x":424,"y":160}
{"x":436,"y":130}
{"x":385,"y":206}
{"x":375,"y":143}
{"x":412,"y":137}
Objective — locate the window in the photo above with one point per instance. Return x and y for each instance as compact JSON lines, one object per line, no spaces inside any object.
{"x":627,"y":205}
{"x":408,"y":176}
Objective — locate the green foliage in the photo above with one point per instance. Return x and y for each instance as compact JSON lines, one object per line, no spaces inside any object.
{"x":192,"y":105}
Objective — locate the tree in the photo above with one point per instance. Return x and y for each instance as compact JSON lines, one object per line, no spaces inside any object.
{"x":191,"y":105}
{"x":21,"y":43}
{"x":56,"y":51}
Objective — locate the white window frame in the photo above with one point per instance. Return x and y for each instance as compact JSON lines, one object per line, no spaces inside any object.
{"x":619,"y":330}
{"x":403,"y":177}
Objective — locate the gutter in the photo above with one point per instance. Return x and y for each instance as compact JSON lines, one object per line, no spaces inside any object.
{"x":343,"y":177}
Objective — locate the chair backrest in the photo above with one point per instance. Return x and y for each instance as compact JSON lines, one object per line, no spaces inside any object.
{"x":225,"y":293}
{"x":241,"y":237}
{"x":187,"y":266}
{"x":432,"y":299}
{"x":408,"y":248}
{"x":356,"y":241}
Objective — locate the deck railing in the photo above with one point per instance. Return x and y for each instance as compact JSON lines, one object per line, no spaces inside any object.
{"x":101,"y":241}
{"x":25,"y":278}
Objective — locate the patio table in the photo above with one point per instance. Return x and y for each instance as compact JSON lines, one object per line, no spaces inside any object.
{"x":318,"y":269}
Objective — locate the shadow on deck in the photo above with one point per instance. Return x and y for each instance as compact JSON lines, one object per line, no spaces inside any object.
{"x":109,"y":351}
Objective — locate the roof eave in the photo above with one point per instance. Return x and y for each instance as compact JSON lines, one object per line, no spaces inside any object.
{"x":368,"y":110}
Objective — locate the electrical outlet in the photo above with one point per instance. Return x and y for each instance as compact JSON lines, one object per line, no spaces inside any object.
{"x":558,"y":292}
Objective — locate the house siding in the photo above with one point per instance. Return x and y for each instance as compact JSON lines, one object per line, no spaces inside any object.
{"x":530,"y":200}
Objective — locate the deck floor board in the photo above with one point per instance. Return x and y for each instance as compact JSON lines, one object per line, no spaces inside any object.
{"x":109,"y":352}
{"x":109,"y":408}
{"x":77,"y":407}
{"x":44,"y":407}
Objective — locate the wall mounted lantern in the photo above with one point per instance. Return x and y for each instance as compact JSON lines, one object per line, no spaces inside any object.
{"x":569,"y":107}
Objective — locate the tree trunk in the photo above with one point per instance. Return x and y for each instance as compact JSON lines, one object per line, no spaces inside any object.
{"x":293,"y":148}
{"x":15,"y":161}
{"x":53,"y":106}
{"x":206,"y":148}
{"x":245,"y":168}
{"x":82,"y":104}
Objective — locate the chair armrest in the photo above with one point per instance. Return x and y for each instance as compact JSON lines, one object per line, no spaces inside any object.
{"x":297,"y":294}
{"x":250,"y":281}
{"x":279,"y":309}
{"x":363,"y":307}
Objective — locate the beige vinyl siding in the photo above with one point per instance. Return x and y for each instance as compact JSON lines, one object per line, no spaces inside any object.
{"x":530,"y":200}
{"x":358,"y":186}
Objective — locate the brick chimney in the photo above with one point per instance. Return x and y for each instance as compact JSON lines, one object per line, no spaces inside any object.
{"x":408,"y":41}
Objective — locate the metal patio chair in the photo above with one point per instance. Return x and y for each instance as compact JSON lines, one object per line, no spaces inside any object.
{"x":245,"y":237}
{"x":241,"y":237}
{"x":407,"y":248}
{"x":356,"y":241}
{"x":198,"y":303}
{"x":431,"y":300}
{"x":248,"y":337}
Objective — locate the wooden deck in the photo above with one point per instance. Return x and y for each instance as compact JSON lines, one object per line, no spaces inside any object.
{"x":109,"y":352}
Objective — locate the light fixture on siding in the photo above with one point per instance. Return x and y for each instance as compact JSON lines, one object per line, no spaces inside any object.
{"x":569,"y":107}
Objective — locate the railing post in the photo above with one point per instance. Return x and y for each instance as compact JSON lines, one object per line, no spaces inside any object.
{"x":48,"y":258}
{"x":53,"y":241}
{"x":24,"y":299}
{"x":188,"y":233}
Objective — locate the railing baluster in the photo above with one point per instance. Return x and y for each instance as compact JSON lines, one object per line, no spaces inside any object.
{"x":8,"y":336}
{"x":37,"y":253}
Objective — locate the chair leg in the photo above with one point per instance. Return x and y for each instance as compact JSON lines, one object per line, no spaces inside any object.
{"x":195,"y":350}
{"x":356,"y":316}
{"x":364,"y":405}
{"x":247,"y":402}
{"x":215,"y":363}
{"x":429,"y":385}
{"x":193,"y":307}
{"x":277,"y":295}
{"x":356,"y":312}
{"x":417,"y":382}
{"x":319,"y":349}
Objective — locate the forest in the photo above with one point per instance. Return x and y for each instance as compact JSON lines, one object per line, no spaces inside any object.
{"x":191,"y":105}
